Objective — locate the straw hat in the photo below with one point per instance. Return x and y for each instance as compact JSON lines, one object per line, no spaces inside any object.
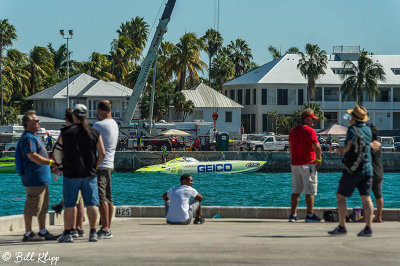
{"x":359,"y":113}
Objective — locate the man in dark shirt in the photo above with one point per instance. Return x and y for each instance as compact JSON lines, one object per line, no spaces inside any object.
{"x":361,"y":180}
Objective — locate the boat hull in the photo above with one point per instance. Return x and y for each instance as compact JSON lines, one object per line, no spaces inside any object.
{"x":220,"y":167}
{"x":7,"y":165}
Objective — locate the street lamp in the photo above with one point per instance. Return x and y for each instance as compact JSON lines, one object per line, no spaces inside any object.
{"x":71,"y":32}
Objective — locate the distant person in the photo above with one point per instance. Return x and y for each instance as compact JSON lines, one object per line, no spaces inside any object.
{"x":358,"y":170}
{"x":177,"y":207}
{"x":49,"y":142}
{"x":83,"y":152}
{"x":377,"y":178}
{"x":197,"y":144}
{"x":329,"y":140}
{"x":109,"y":131}
{"x":174,"y":143}
{"x":164,"y":155}
{"x":305,"y":152}
{"x":35,"y":165}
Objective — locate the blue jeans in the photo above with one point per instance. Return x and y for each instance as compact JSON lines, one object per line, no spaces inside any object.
{"x":88,"y":187}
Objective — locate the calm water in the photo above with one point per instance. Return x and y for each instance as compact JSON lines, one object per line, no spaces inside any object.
{"x":256,"y":189}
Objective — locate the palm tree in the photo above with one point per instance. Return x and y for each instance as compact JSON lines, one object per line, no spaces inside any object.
{"x":222,"y":69}
{"x":213,"y":40}
{"x":188,"y":109}
{"x":311,"y":66}
{"x":241,"y":56}
{"x":277,"y":53}
{"x":178,"y":102}
{"x":121,"y":54}
{"x":7,"y":35}
{"x":14,"y":64}
{"x":98,"y":67}
{"x":362,"y":77}
{"x":185,"y":60}
{"x":136,"y":31}
{"x":40,"y":65}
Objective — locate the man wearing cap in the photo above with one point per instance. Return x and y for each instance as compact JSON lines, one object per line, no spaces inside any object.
{"x":362,"y":179}
{"x":305,"y":152}
{"x":83,"y":152}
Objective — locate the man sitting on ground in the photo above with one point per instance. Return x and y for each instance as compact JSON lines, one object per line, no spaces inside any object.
{"x":177,"y":206}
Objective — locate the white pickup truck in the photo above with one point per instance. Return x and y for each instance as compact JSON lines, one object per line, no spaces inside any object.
{"x":270,"y":143}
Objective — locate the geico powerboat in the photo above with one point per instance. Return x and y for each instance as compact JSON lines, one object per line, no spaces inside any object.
{"x":189,"y":165}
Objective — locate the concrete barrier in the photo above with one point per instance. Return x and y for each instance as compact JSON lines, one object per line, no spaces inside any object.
{"x":16,"y":222}
{"x":128,"y":161}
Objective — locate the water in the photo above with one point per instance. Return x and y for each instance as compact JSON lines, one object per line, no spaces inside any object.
{"x":255,"y":189}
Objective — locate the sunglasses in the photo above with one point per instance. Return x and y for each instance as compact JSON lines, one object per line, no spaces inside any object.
{"x":36,"y":121}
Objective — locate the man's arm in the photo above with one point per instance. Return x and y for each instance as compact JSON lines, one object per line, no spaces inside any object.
{"x":36,"y":158}
{"x":199,"y":197}
{"x":318,"y":153}
{"x":101,"y":152}
{"x":344,"y":149}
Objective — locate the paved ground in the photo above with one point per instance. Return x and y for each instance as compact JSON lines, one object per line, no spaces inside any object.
{"x":140,"y":241}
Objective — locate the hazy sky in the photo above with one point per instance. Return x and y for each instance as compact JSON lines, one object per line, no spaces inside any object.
{"x":372,"y":24}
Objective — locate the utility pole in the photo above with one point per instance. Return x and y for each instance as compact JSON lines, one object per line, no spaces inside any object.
{"x":71,"y":32}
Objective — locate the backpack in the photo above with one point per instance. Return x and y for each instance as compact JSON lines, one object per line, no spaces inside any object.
{"x":354,"y":159}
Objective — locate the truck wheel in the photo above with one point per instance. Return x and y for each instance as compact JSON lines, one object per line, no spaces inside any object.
{"x":259,"y":148}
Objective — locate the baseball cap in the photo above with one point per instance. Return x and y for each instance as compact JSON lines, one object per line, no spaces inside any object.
{"x":308,"y":113}
{"x":80,"y":110}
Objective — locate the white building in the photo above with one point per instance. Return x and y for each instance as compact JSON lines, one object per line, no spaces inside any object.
{"x":52,"y":102}
{"x":278,"y":85}
{"x":207,"y":101}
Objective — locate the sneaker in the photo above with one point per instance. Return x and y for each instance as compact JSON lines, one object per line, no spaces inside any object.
{"x":57,"y":208}
{"x":81,"y":233}
{"x":48,"y":236}
{"x":93,"y":237}
{"x":312,"y":218}
{"x":199,"y":220}
{"x":366,"y":232}
{"x":66,"y":239}
{"x":293,"y":218}
{"x":74,"y":233}
{"x":30,"y":237}
{"x":338,"y":231}
{"x":103,"y":234}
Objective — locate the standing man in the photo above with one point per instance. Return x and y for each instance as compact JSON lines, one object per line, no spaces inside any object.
{"x":108,"y":129}
{"x":361,"y":178}
{"x":177,"y":206}
{"x":305,"y":153}
{"x":35,"y":172}
{"x":83,"y":152}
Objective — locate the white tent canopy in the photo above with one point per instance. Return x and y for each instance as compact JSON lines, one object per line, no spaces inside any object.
{"x":334,"y":130}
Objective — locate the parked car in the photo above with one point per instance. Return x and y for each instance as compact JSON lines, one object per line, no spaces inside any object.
{"x":387,"y":143}
{"x":10,"y":146}
{"x":270,"y":143}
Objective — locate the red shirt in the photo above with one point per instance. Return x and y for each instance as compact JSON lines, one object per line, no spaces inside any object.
{"x":197,"y":142}
{"x":301,"y":140}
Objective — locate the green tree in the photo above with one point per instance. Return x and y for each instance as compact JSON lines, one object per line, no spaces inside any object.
{"x":311,"y":66}
{"x":213,"y":40}
{"x":7,"y":36}
{"x":362,"y":77}
{"x":188,"y":109}
{"x":241,"y":56}
{"x":179,"y":103}
{"x":277,"y":53}
{"x":11,"y":115}
{"x":136,"y":30}
{"x":98,"y":67}
{"x":185,"y":60}
{"x":40,"y":65}
{"x":222,"y":69}
{"x":122,"y":52}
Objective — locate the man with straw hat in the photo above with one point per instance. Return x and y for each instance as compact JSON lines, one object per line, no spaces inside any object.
{"x":361,"y":178}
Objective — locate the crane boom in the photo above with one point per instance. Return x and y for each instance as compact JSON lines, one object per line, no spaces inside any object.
{"x":151,"y":56}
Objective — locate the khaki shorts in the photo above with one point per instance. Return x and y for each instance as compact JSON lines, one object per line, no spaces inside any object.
{"x":304,"y":179}
{"x":37,"y":200}
{"x":104,"y":184}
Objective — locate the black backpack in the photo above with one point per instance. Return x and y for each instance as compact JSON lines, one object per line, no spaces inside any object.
{"x":354,"y":159}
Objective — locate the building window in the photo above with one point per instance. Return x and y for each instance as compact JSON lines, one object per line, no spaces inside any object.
{"x":331,"y":118}
{"x":272,"y":97}
{"x":396,"y":71}
{"x":384,"y":95}
{"x":331,"y":94}
{"x":254,"y":96}
{"x":253,"y":123}
{"x":342,"y":71}
{"x":282,"y":97}
{"x":292,"y":97}
{"x":300,"y":97}
{"x":226,"y":93}
{"x":198,"y":115}
{"x":247,"y":96}
{"x":264,"y":96}
{"x":240,"y":97}
{"x":317,"y":94}
{"x":228,"y":117}
{"x":232,"y":94}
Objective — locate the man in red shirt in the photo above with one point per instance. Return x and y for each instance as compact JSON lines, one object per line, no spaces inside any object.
{"x":305,"y":153}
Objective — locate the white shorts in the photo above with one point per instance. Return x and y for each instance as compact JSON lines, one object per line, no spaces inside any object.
{"x":304,"y":179}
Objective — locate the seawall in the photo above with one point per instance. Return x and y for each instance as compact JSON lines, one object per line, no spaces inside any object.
{"x":128,"y":161}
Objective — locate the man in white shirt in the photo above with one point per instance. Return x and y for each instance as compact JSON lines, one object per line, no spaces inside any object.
{"x":109,"y":131}
{"x":177,"y":206}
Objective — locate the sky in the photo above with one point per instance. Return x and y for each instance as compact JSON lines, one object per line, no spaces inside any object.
{"x":374,"y":25}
